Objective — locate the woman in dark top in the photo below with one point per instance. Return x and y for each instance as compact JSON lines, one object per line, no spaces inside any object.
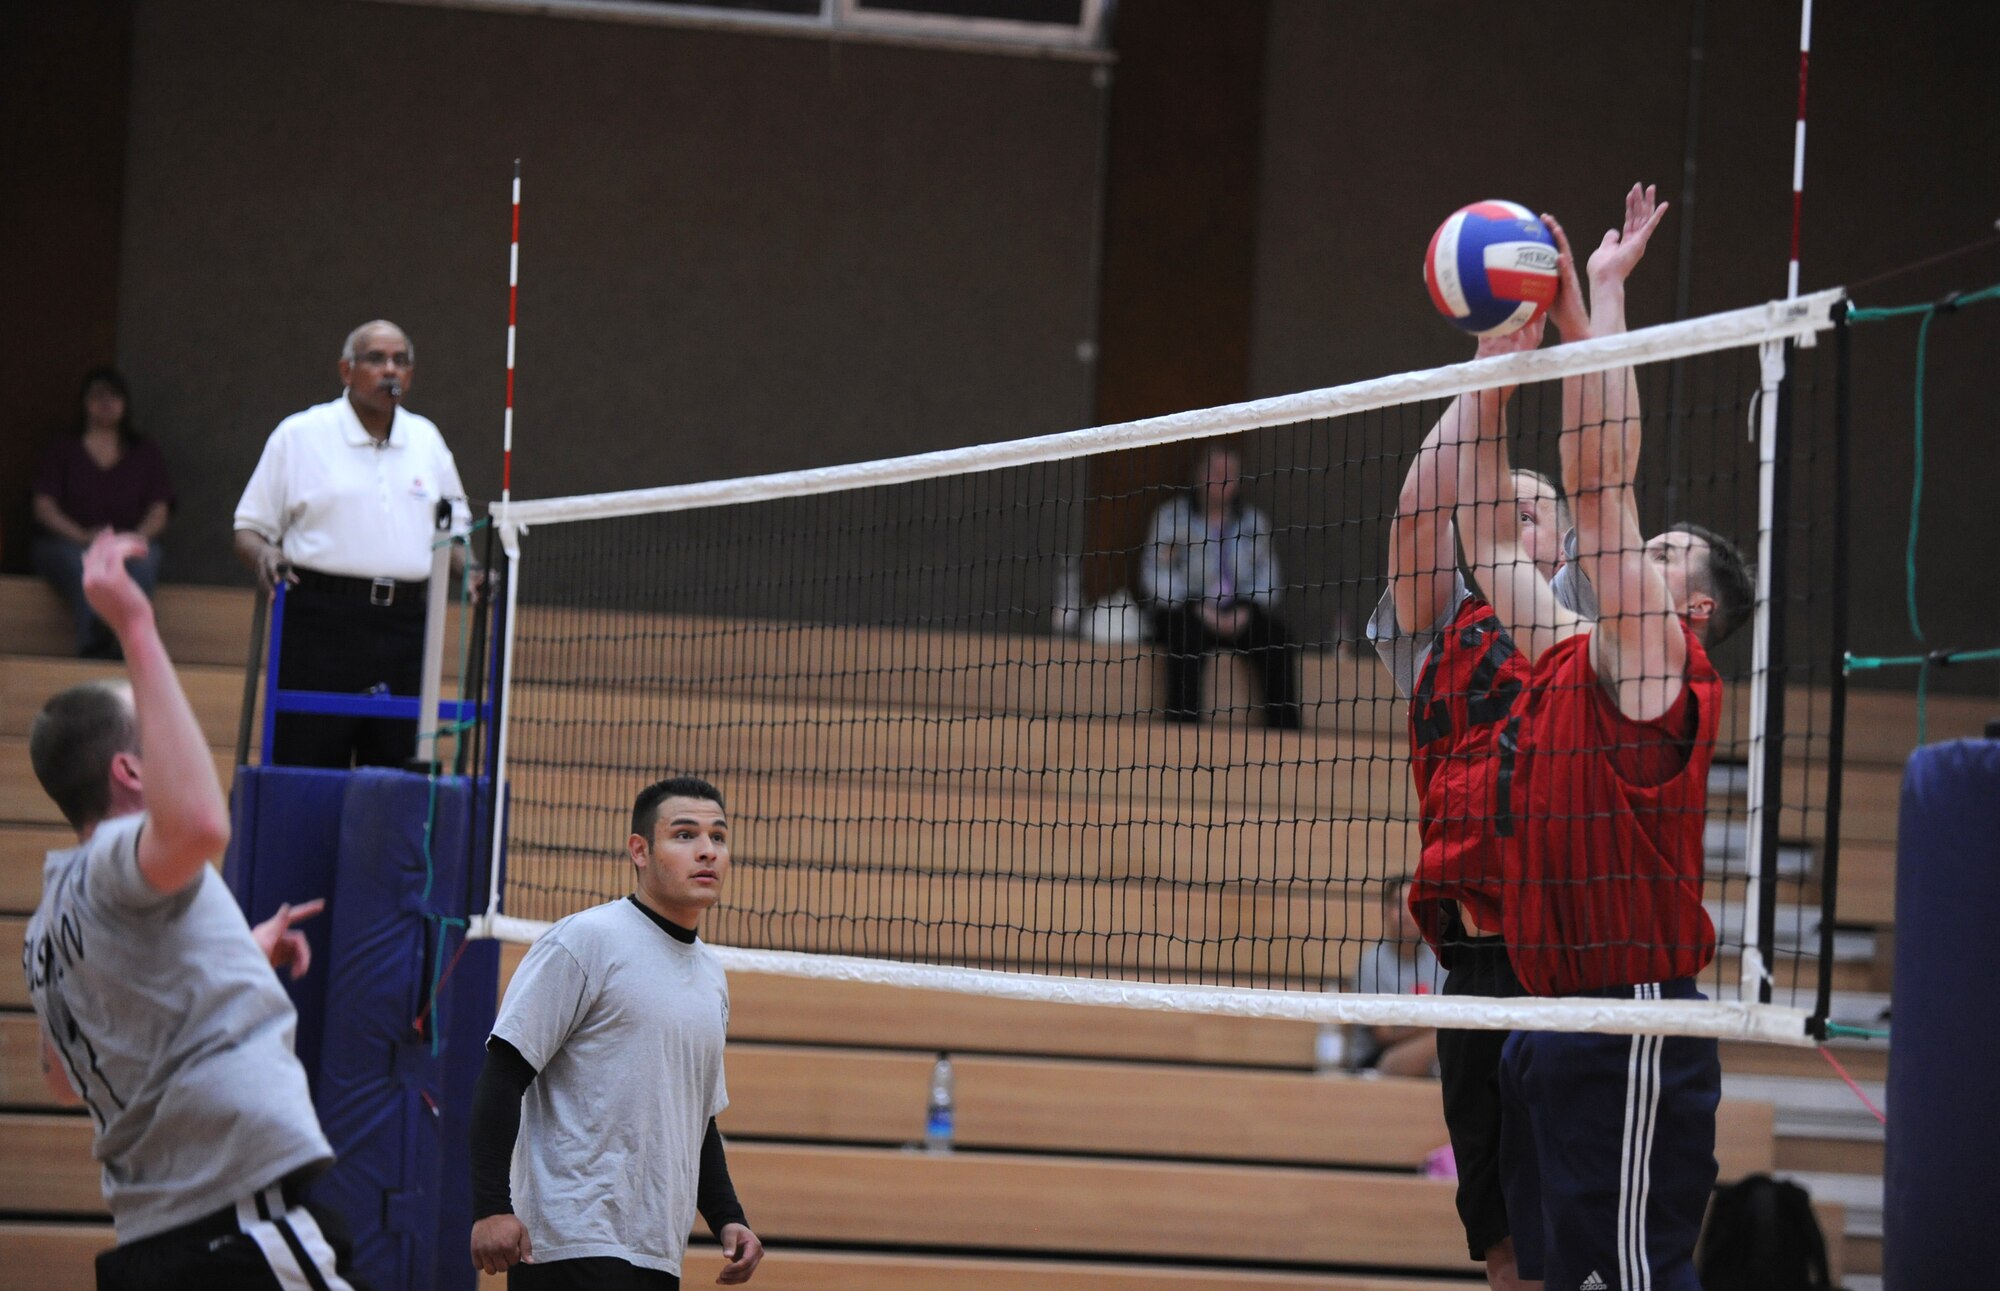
{"x":104,"y":476}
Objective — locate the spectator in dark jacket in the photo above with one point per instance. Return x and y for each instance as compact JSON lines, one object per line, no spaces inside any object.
{"x":103,"y":476}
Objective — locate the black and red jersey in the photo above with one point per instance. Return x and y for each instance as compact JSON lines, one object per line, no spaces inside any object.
{"x":1604,"y":843}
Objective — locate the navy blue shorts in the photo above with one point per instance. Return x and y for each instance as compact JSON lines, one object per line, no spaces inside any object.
{"x":1607,"y":1152}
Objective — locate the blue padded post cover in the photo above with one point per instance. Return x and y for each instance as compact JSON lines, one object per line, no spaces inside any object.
{"x":1944,"y":1132}
{"x":470,"y":1001}
{"x":284,"y":839}
{"x":382,"y":1085}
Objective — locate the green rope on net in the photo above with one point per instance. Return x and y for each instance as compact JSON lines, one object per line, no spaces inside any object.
{"x":1942,"y":658}
{"x":1923,"y":662}
{"x":1836,"y":1031}
{"x":457,"y":730}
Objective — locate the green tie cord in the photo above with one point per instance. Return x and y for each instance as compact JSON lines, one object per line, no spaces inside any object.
{"x":1939,"y":658}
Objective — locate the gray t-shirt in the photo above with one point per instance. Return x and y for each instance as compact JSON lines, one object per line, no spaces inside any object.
{"x":625,"y":1025}
{"x":1386,"y":970}
{"x":1403,"y":653}
{"x":175,"y":1031}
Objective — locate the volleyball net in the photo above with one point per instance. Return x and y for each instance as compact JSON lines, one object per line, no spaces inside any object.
{"x":947,"y":766}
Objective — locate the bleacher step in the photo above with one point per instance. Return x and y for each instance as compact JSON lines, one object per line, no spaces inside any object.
{"x":1810,"y":1108}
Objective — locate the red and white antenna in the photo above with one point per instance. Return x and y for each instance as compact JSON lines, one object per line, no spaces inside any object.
{"x":513,"y":299}
{"x":1799,"y":148}
{"x":510,"y":541}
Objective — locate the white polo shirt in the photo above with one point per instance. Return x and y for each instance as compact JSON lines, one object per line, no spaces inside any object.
{"x":335,"y":500}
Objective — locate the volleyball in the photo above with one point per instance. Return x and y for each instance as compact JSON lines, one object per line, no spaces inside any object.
{"x":1491,"y":268}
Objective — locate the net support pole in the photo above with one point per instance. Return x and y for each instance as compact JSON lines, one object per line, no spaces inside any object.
{"x":432,"y":684}
{"x":1767,"y":692}
{"x":481,"y":925}
{"x":1836,"y":742}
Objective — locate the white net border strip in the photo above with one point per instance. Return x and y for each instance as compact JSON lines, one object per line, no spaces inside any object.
{"x":1795,"y":320}
{"x":1768,"y":1023}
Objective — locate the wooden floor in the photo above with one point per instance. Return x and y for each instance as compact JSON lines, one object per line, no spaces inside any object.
{"x":1097,"y":1148}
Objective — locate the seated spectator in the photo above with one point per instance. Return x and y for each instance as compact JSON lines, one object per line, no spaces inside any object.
{"x":1213,"y":581}
{"x":103,"y":476}
{"x":1400,"y":964}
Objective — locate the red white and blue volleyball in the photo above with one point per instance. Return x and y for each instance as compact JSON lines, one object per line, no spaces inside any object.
{"x":1491,"y":268}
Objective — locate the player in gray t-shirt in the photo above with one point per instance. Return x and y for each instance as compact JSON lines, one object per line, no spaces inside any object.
{"x":159,"y":1009}
{"x":593,"y":1127}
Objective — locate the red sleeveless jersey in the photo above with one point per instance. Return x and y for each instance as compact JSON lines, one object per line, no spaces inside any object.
{"x":1462,"y":755}
{"x":1605,"y":862}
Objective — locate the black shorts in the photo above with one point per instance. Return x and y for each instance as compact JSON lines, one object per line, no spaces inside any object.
{"x":268,"y":1241}
{"x":1469,"y":1069}
{"x":598,"y":1273}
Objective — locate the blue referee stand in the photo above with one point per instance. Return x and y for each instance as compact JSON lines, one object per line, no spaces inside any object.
{"x":393,"y":1016}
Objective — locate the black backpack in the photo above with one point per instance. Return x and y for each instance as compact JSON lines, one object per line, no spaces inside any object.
{"x":1762,"y":1235}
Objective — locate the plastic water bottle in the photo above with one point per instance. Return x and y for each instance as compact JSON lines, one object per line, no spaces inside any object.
{"x":1329,"y":1048}
{"x":938,"y":1121}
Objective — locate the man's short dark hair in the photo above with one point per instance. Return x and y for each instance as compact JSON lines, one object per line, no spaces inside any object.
{"x":646,"y":807}
{"x":1725,"y":576}
{"x":74,"y":738}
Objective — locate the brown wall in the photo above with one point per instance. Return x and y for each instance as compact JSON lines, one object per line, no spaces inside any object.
{"x":1381,"y":119}
{"x":63,"y":73}
{"x":1179,"y":246}
{"x":746,"y":253}
{"x":739,"y":253}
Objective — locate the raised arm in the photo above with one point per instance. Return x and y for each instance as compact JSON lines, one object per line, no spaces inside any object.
{"x":187,"y":818}
{"x":1489,"y":528}
{"x":1638,"y":648}
{"x":1423,"y":562}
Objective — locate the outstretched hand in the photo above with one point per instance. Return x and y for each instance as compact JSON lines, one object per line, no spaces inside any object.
{"x":281,"y":943}
{"x":1569,"y":311}
{"x":1620,"y":251}
{"x":109,"y":586}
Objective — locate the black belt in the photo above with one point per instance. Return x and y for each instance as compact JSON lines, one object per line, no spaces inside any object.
{"x":375,"y":591}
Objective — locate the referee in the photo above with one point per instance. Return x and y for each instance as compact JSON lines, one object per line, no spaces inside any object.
{"x":342,"y":508}
{"x":159,"y":1009}
{"x":603,"y":1078}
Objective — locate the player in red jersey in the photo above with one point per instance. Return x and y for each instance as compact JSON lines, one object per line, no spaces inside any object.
{"x":1608,"y":1140}
{"x":1462,"y":674}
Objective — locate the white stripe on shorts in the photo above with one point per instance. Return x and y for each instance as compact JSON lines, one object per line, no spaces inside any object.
{"x":1635,"y":1165}
{"x":278,"y":1253}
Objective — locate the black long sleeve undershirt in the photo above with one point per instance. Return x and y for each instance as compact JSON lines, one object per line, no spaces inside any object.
{"x":496,"y":1123}
{"x":714,"y":1194}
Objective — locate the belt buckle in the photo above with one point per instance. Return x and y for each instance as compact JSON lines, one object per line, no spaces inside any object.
{"x":382,"y":591}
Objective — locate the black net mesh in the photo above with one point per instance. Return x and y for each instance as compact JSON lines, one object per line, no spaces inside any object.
{"x":934,"y":750}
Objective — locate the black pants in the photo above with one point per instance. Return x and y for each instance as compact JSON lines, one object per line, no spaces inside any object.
{"x":1186,"y":642}
{"x":222,"y":1253}
{"x":339,"y":642}
{"x":598,"y":1273}
{"x":1469,"y":1070}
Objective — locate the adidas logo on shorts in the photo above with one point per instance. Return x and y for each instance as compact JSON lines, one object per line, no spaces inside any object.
{"x":1593,"y":1283}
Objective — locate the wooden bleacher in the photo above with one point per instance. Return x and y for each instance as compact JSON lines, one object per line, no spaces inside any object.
{"x":1096,"y":1145}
